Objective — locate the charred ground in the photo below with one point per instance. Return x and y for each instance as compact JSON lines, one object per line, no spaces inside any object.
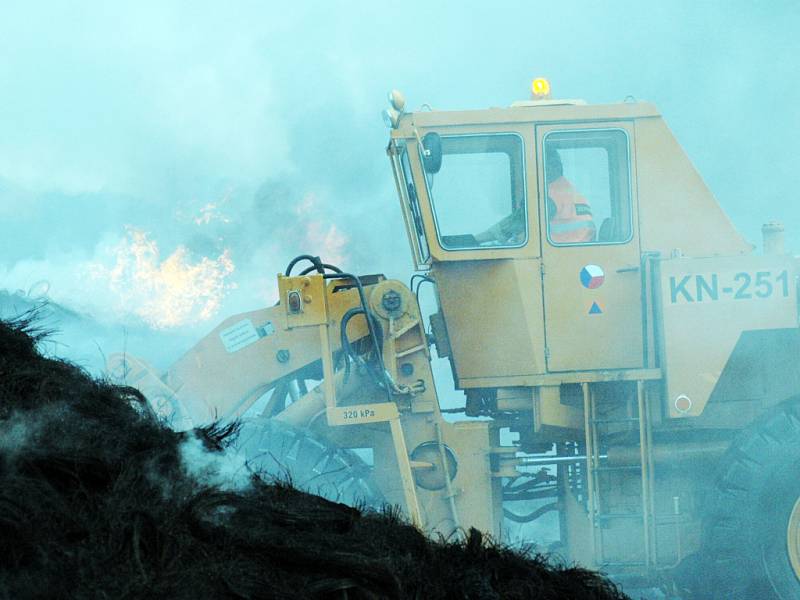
{"x":96,"y":501}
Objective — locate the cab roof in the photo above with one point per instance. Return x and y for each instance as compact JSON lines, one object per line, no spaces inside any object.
{"x":525,"y":112}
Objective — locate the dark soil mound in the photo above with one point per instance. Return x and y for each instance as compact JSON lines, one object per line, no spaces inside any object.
{"x":96,"y":501}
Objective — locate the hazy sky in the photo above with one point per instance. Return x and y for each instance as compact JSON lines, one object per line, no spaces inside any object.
{"x":255,"y":126}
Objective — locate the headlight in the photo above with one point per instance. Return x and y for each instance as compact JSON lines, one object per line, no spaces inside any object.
{"x":391,"y":117}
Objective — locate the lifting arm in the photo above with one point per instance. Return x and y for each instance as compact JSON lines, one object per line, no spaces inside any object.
{"x":244,"y":357}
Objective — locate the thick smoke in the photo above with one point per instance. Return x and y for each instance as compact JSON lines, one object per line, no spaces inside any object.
{"x":224,"y":470}
{"x":167,"y":121}
{"x":160,"y":163}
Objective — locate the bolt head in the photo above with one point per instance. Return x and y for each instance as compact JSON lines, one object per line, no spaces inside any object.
{"x":391,"y":301}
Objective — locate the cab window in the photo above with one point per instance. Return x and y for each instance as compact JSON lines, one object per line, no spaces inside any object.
{"x":478,"y":194}
{"x":587,"y":187}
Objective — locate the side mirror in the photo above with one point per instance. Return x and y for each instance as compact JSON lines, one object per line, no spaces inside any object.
{"x":431,"y":152}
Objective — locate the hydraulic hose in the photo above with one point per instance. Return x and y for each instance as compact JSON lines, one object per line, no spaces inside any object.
{"x":370,"y":325}
{"x":316,"y":265}
{"x":325,"y":267}
{"x":345,"y":341}
{"x":320,"y":267}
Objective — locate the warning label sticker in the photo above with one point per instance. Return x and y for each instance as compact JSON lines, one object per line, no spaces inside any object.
{"x":239,"y":335}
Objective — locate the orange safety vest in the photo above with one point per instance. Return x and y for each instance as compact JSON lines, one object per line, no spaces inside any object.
{"x":572,"y":220}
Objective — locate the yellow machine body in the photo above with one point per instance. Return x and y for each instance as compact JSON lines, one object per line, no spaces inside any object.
{"x":624,"y":362}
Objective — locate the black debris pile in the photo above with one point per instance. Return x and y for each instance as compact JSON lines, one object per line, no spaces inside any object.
{"x":96,"y":501}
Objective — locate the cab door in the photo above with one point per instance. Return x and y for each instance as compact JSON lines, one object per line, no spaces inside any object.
{"x":591,"y":279}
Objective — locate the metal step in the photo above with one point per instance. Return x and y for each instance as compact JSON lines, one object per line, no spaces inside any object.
{"x":619,"y":468}
{"x":619,"y":420}
{"x":609,"y":516}
{"x":633,"y":563}
{"x":594,"y":482}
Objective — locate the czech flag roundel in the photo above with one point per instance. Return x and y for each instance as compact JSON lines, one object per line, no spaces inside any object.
{"x":592,"y":276}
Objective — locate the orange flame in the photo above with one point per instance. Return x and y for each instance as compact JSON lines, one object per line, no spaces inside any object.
{"x":170,"y":292}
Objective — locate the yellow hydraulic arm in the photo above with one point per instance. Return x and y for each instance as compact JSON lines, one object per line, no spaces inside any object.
{"x":246,"y":355}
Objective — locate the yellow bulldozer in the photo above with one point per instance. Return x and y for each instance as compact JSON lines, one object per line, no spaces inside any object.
{"x":627,"y":360}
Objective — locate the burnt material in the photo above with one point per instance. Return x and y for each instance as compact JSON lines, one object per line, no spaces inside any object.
{"x":96,"y":501}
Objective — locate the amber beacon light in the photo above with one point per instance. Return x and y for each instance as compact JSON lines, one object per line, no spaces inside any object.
{"x":540,"y":88}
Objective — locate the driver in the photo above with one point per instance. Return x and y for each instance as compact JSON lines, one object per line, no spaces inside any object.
{"x":568,"y":212}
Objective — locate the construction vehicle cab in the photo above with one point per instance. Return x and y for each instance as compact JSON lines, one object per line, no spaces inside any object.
{"x":559,"y":298}
{"x":589,"y":282}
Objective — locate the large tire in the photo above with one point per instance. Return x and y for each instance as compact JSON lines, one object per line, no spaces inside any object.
{"x":745,"y":550}
{"x":278,"y":451}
